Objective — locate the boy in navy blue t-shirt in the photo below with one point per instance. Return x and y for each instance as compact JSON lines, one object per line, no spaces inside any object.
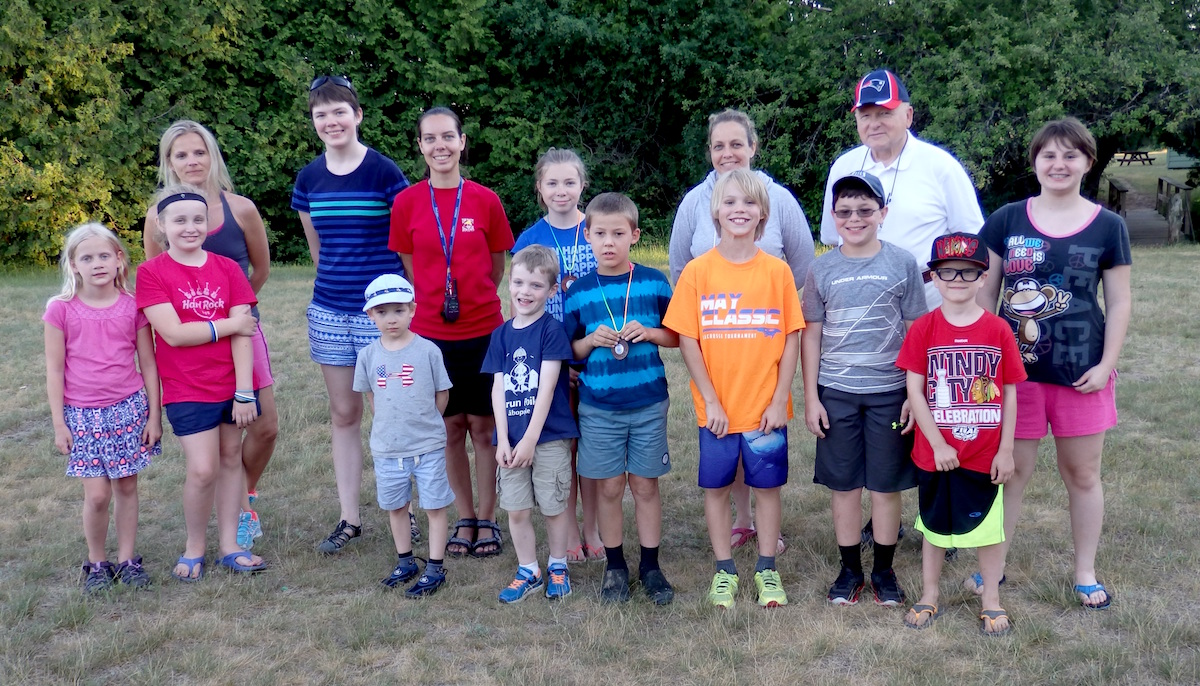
{"x":534,"y":426}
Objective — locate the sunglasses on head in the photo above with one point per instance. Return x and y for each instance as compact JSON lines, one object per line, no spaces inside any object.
{"x":335,"y":80}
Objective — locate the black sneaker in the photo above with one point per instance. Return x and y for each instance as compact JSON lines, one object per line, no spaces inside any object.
{"x":846,"y":588}
{"x":887,"y":590}
{"x":341,"y":535}
{"x":414,"y":529}
{"x":131,"y":573}
{"x":868,"y":535}
{"x":428,"y":584}
{"x":406,"y":569}
{"x":657,"y":588}
{"x":98,"y":577}
{"x":615,"y":588}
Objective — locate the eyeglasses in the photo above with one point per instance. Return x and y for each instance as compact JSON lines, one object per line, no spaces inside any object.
{"x":948,"y":274}
{"x":862,"y":213}
{"x":335,"y":80}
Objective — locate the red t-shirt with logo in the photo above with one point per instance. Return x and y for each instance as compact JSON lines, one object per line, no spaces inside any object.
{"x":482,"y":230}
{"x":966,"y":369}
{"x":198,"y":373}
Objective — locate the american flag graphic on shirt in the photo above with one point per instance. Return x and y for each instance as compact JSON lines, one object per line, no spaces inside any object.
{"x":405,"y":375}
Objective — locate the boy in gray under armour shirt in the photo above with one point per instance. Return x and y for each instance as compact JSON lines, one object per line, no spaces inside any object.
{"x":859,"y":300}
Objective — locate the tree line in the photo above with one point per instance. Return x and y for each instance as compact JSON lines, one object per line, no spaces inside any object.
{"x":89,"y":86}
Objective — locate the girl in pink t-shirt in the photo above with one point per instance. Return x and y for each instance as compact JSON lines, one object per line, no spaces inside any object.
{"x":106,"y":414}
{"x":199,"y":304}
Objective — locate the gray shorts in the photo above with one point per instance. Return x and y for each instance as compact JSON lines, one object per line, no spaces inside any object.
{"x":547,"y":483}
{"x":863,"y":446}
{"x":394,"y":476}
{"x":615,"y":442}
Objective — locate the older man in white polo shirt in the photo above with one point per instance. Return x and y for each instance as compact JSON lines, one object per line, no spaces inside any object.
{"x":928,"y":192}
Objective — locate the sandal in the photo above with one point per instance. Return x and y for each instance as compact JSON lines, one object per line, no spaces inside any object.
{"x":342,"y":534}
{"x":921,"y":616}
{"x":462,"y":546}
{"x":591,"y":554}
{"x":1087,"y":591}
{"x":195,"y":570}
{"x":576,"y":555}
{"x":496,"y":539}
{"x":414,"y":529}
{"x":987,"y":623}
{"x":741,"y":536}
{"x":231,"y":563}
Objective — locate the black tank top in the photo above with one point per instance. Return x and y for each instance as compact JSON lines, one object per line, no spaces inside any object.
{"x":230,"y":241}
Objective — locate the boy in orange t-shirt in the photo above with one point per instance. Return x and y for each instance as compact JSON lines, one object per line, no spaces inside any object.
{"x":737,"y":314}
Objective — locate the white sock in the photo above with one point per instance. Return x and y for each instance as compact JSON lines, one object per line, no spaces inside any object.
{"x":556,"y":561}
{"x":532,"y":568}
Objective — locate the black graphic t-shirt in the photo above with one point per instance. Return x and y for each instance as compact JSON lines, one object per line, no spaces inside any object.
{"x":1050,"y":285}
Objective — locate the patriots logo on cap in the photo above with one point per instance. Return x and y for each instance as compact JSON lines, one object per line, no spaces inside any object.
{"x":874,"y":84}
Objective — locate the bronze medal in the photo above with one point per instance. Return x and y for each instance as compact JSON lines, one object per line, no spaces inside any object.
{"x":621,"y":350}
{"x":566,"y":282}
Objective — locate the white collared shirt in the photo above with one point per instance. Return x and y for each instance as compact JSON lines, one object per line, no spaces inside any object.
{"x":930,"y":193}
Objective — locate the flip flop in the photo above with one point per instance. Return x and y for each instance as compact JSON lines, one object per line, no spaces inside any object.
{"x":742,"y":536}
{"x":987,"y":623}
{"x":781,"y":545}
{"x":592,"y":554}
{"x":230,"y":562}
{"x":1089,"y":590}
{"x":576,"y":555}
{"x":456,"y":540}
{"x":923,"y":616}
{"x":193,"y":563}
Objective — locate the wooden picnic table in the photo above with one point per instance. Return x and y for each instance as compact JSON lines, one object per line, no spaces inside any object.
{"x":1125,"y":157}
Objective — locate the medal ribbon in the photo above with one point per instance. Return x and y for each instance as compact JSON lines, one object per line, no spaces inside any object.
{"x":625,"y":316}
{"x":562,"y":257}
{"x":447,"y":249}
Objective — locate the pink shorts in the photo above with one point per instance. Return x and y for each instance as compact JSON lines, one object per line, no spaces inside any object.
{"x":1066,"y":411}
{"x":262,"y":360}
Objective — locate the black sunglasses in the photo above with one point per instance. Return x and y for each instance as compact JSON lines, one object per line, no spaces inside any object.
{"x":335,"y":80}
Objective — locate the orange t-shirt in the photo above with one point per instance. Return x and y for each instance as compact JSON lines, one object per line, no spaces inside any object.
{"x":741,"y":314}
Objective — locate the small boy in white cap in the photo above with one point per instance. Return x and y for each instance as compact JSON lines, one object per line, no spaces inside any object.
{"x":409,"y":387}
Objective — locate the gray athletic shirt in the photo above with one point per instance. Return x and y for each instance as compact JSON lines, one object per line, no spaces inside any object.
{"x":862,"y":304}
{"x":405,"y":383}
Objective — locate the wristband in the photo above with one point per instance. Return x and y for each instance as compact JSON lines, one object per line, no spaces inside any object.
{"x":244,"y":397}
{"x":213,"y":328}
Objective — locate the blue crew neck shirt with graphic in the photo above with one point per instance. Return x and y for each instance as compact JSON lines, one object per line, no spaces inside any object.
{"x":640,"y":379}
{"x":518,"y":355}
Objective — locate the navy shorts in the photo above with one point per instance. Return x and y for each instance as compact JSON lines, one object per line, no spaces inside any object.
{"x":193,"y":418}
{"x":863,"y":446}
{"x":764,"y":458}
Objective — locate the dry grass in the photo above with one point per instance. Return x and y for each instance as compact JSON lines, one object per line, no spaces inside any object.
{"x":326,"y":621}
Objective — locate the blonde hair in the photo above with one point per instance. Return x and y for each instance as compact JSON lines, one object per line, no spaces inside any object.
{"x":538,"y":258}
{"x":218,"y":174}
{"x":556,"y":156}
{"x":172,"y":189}
{"x":752,"y":186}
{"x":737,"y":117}
{"x":81,"y":233}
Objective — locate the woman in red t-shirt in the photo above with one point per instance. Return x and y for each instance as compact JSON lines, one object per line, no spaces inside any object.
{"x":451,"y":235}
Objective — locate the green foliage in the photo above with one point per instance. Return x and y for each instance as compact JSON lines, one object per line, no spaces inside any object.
{"x":91,"y":85}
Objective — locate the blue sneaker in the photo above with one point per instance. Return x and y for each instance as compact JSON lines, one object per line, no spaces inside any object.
{"x":559,"y":586}
{"x":248,"y":529}
{"x":428,"y":584}
{"x":252,"y":496}
{"x":406,"y":569}
{"x":521,"y":585}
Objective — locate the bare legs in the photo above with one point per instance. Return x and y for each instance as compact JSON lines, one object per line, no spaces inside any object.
{"x":259,"y":443}
{"x":97,"y":493}
{"x":345,"y":415}
{"x":458,"y":466}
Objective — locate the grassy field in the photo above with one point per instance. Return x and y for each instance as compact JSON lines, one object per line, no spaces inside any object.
{"x":326,"y":621}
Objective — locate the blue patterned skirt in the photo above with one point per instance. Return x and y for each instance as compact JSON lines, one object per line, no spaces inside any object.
{"x":108,"y":440}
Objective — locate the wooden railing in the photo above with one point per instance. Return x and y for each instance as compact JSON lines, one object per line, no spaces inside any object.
{"x":1116,"y":195}
{"x":1174,"y":201}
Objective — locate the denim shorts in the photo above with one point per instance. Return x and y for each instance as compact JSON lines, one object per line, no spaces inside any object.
{"x":394,"y":477}
{"x":615,"y":442}
{"x":334,"y":338}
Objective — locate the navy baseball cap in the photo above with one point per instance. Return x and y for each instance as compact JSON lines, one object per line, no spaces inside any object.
{"x":880,"y":87}
{"x":958,"y":246}
{"x":864,"y":180}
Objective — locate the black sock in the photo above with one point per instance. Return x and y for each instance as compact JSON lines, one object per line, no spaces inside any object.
{"x":883,"y":557}
{"x":616,"y":558}
{"x":764,"y":562}
{"x":727,"y":566}
{"x":851,"y":557}
{"x":649,"y":560}
{"x":434,"y":566}
{"x":404,"y":556}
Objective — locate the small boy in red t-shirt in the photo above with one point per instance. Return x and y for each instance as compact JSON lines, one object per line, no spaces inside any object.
{"x":963,"y":366}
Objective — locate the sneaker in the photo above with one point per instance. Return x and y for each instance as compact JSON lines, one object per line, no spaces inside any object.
{"x":657,"y":588}
{"x":846,"y":588}
{"x":521,"y":585}
{"x":615,"y":588}
{"x":406,"y":569}
{"x":414,"y":529}
{"x":252,"y":496}
{"x":887,"y":590}
{"x":248,"y":529}
{"x":770,"y":588}
{"x":723,"y":589}
{"x":342,"y":534}
{"x":131,"y":573}
{"x":98,"y":577}
{"x":868,"y":535}
{"x":559,"y":585}
{"x":428,"y":584}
